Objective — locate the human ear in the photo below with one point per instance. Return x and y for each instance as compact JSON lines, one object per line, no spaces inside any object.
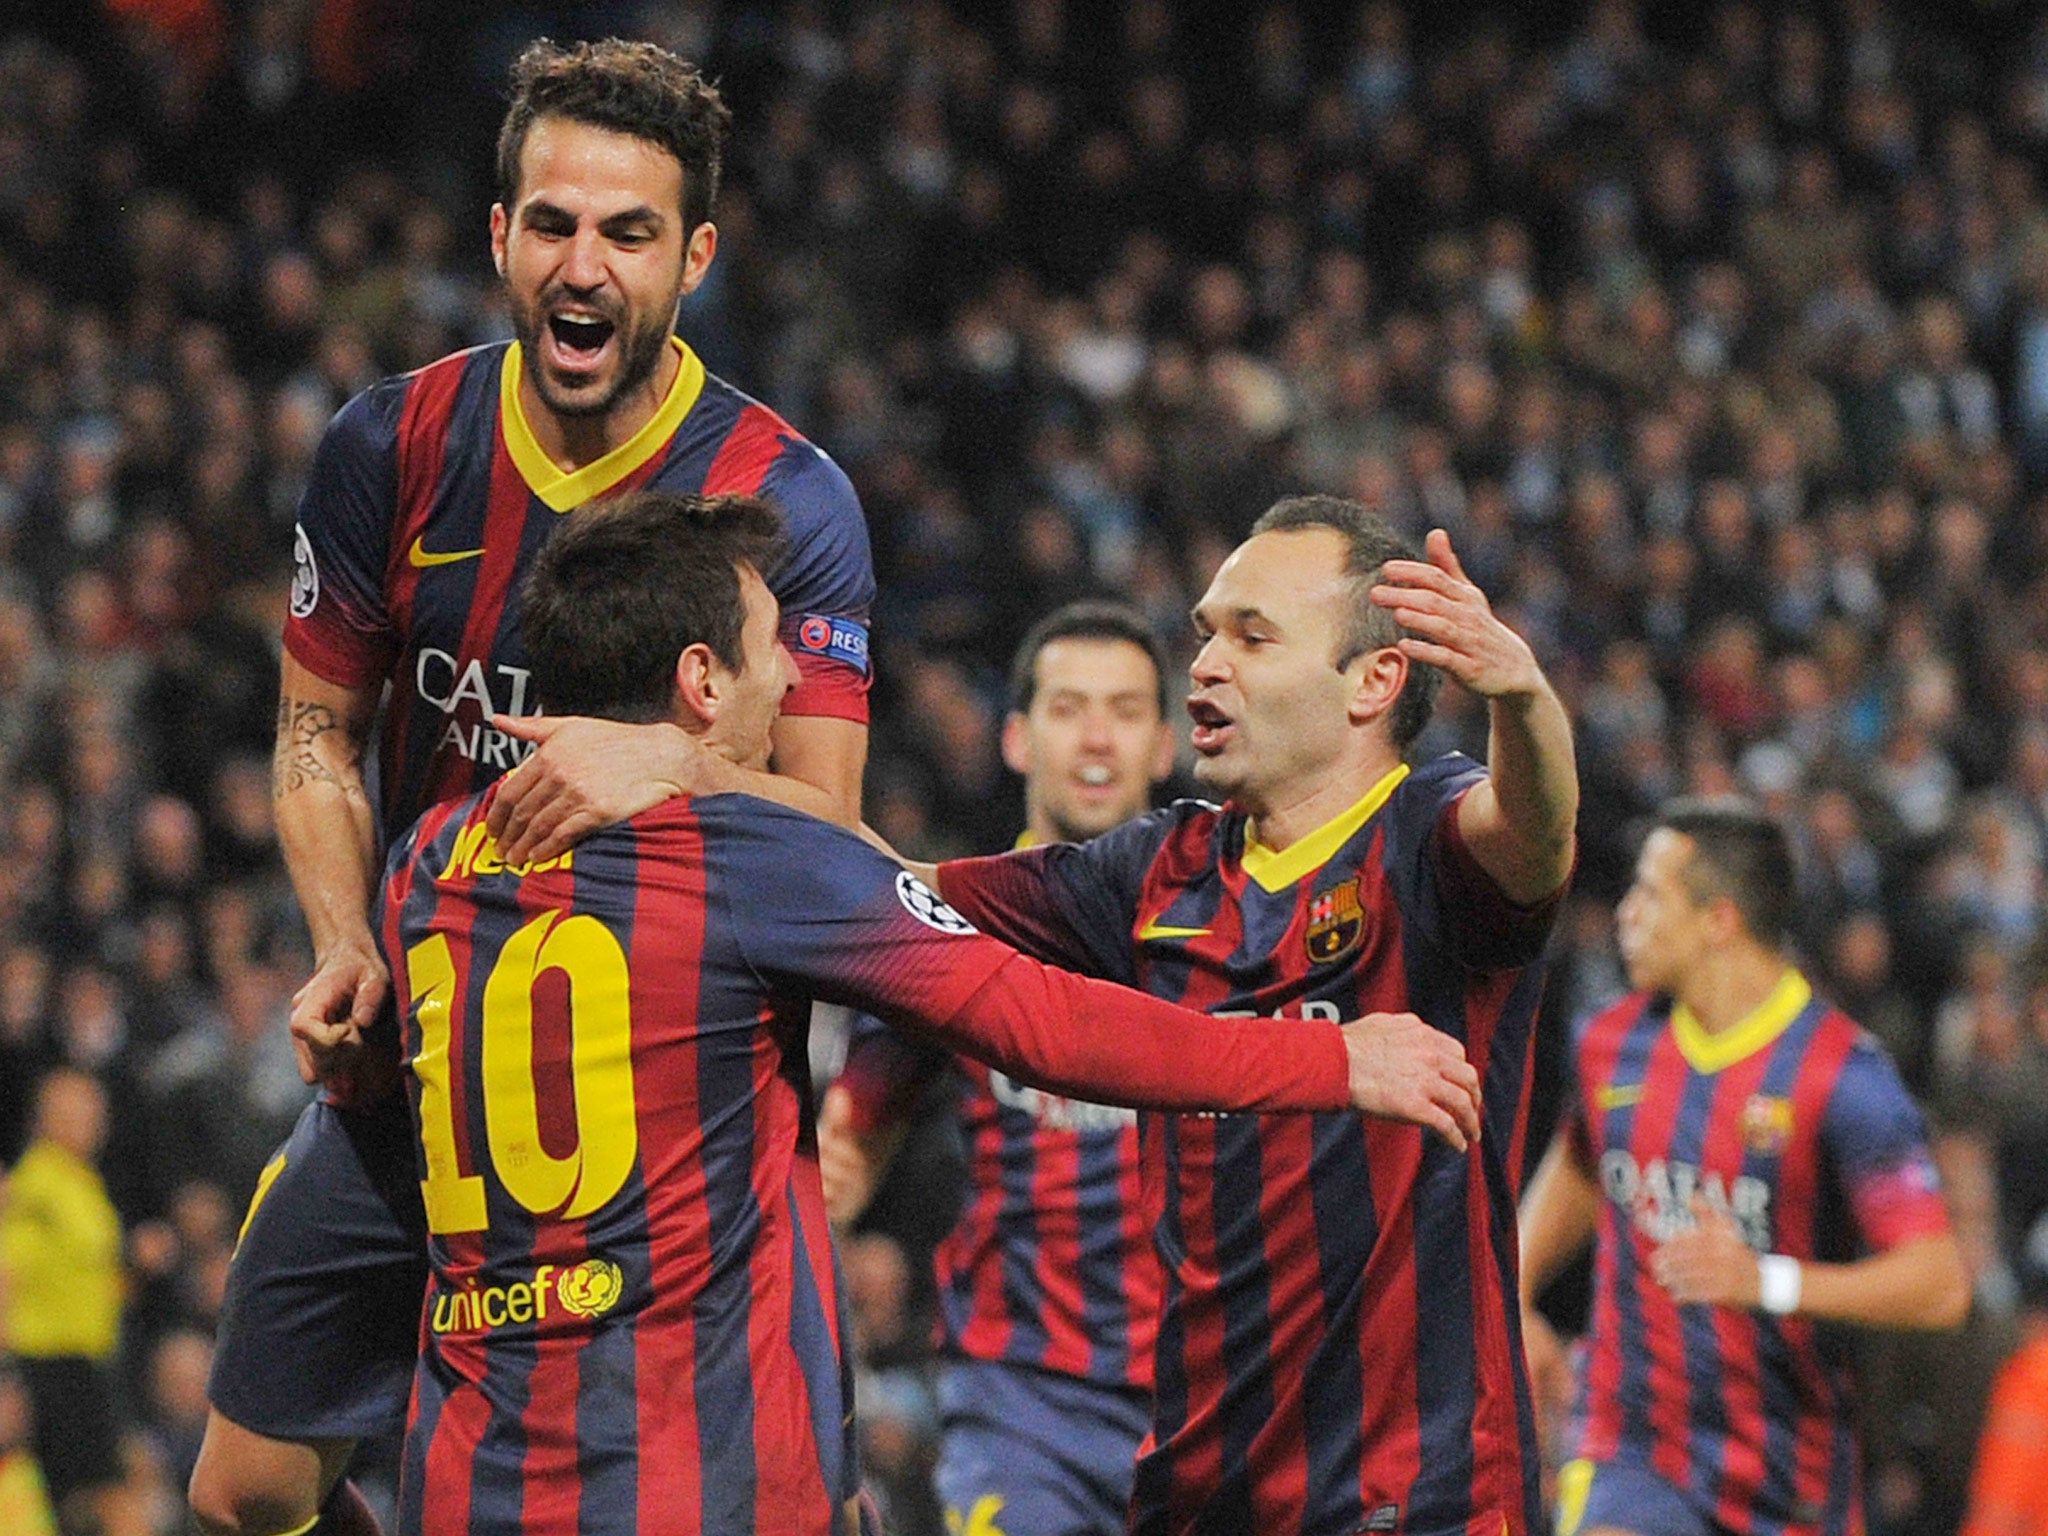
{"x":1383,"y":675}
{"x":701,"y":686}
{"x":1016,"y":743}
{"x":698,"y":252}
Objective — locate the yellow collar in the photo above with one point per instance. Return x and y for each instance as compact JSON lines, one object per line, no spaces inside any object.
{"x":1025,"y":839}
{"x":1708,"y":1052}
{"x":1276,"y":871}
{"x":563,"y":489}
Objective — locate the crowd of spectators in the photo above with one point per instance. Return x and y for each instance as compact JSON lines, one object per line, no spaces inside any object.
{"x":1718,"y":342}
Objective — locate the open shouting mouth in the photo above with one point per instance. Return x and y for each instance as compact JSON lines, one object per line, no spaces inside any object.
{"x":576,"y":340}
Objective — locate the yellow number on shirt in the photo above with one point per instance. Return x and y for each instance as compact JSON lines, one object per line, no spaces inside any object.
{"x":600,"y":1073}
{"x":454,"y":1200}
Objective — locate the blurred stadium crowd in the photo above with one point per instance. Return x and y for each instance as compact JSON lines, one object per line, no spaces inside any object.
{"x":1719,"y":344}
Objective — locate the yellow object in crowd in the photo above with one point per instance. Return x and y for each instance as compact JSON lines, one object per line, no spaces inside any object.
{"x":60,"y":1245}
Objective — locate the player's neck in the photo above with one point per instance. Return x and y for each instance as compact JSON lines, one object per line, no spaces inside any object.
{"x":574,"y":441}
{"x":1729,"y":985}
{"x":1284,"y":818}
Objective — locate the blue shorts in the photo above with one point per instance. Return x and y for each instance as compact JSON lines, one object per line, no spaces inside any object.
{"x":1025,"y":1452}
{"x":1626,"y":1495}
{"x":321,"y":1323}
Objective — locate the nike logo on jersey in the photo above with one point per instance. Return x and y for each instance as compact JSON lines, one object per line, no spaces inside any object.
{"x":419,"y":556}
{"x":1154,"y":929}
{"x":1611,"y":1097}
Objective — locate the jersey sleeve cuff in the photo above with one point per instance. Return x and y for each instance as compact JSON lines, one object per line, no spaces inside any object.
{"x":829,"y":689}
{"x":339,"y":660}
{"x":1514,"y":933}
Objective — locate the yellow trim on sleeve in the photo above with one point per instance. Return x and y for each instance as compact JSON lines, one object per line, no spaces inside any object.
{"x":1707,"y":1052}
{"x":564,"y":490}
{"x":1276,"y":871}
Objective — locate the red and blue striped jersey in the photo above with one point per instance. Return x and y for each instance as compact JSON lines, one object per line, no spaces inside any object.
{"x":631,"y":1323}
{"x":1795,"y":1123}
{"x":1338,"y":1350}
{"x":1050,"y":1264}
{"x":428,"y":498}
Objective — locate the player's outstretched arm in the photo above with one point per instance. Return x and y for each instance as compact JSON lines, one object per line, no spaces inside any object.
{"x":327,"y":830}
{"x":1920,"y":1283}
{"x":1518,"y":822}
{"x":585,"y":773}
{"x":1096,"y":1040}
{"x":856,"y":928}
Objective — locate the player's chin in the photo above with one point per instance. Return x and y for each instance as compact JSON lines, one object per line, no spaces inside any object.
{"x":1078,"y":823}
{"x":579,"y":392}
{"x":1215,"y":769}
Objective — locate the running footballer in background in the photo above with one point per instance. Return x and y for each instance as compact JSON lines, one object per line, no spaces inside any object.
{"x":430,"y":495}
{"x":1048,"y":1290}
{"x":1750,"y":1170}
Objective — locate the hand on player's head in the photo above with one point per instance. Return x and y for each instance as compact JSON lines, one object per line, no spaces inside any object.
{"x":1451,"y":625}
{"x":1402,"y":1069}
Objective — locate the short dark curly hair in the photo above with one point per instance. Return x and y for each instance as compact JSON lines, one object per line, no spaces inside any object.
{"x":632,"y":88}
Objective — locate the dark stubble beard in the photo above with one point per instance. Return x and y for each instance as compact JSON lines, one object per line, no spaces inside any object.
{"x":639,"y":355}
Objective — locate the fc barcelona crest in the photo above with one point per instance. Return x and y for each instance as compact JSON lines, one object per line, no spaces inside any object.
{"x":1336,"y":923}
{"x":1766,"y":1124}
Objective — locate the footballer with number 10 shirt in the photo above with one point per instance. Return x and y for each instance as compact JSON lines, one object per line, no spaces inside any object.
{"x":1750,"y":1170}
{"x":429,"y":497}
{"x":632,"y":1324}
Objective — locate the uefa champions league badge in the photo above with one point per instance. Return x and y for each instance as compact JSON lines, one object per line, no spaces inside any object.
{"x":305,"y":574}
{"x":928,"y":907}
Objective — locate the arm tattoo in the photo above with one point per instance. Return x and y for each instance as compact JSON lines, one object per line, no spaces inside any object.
{"x":300,"y":725}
